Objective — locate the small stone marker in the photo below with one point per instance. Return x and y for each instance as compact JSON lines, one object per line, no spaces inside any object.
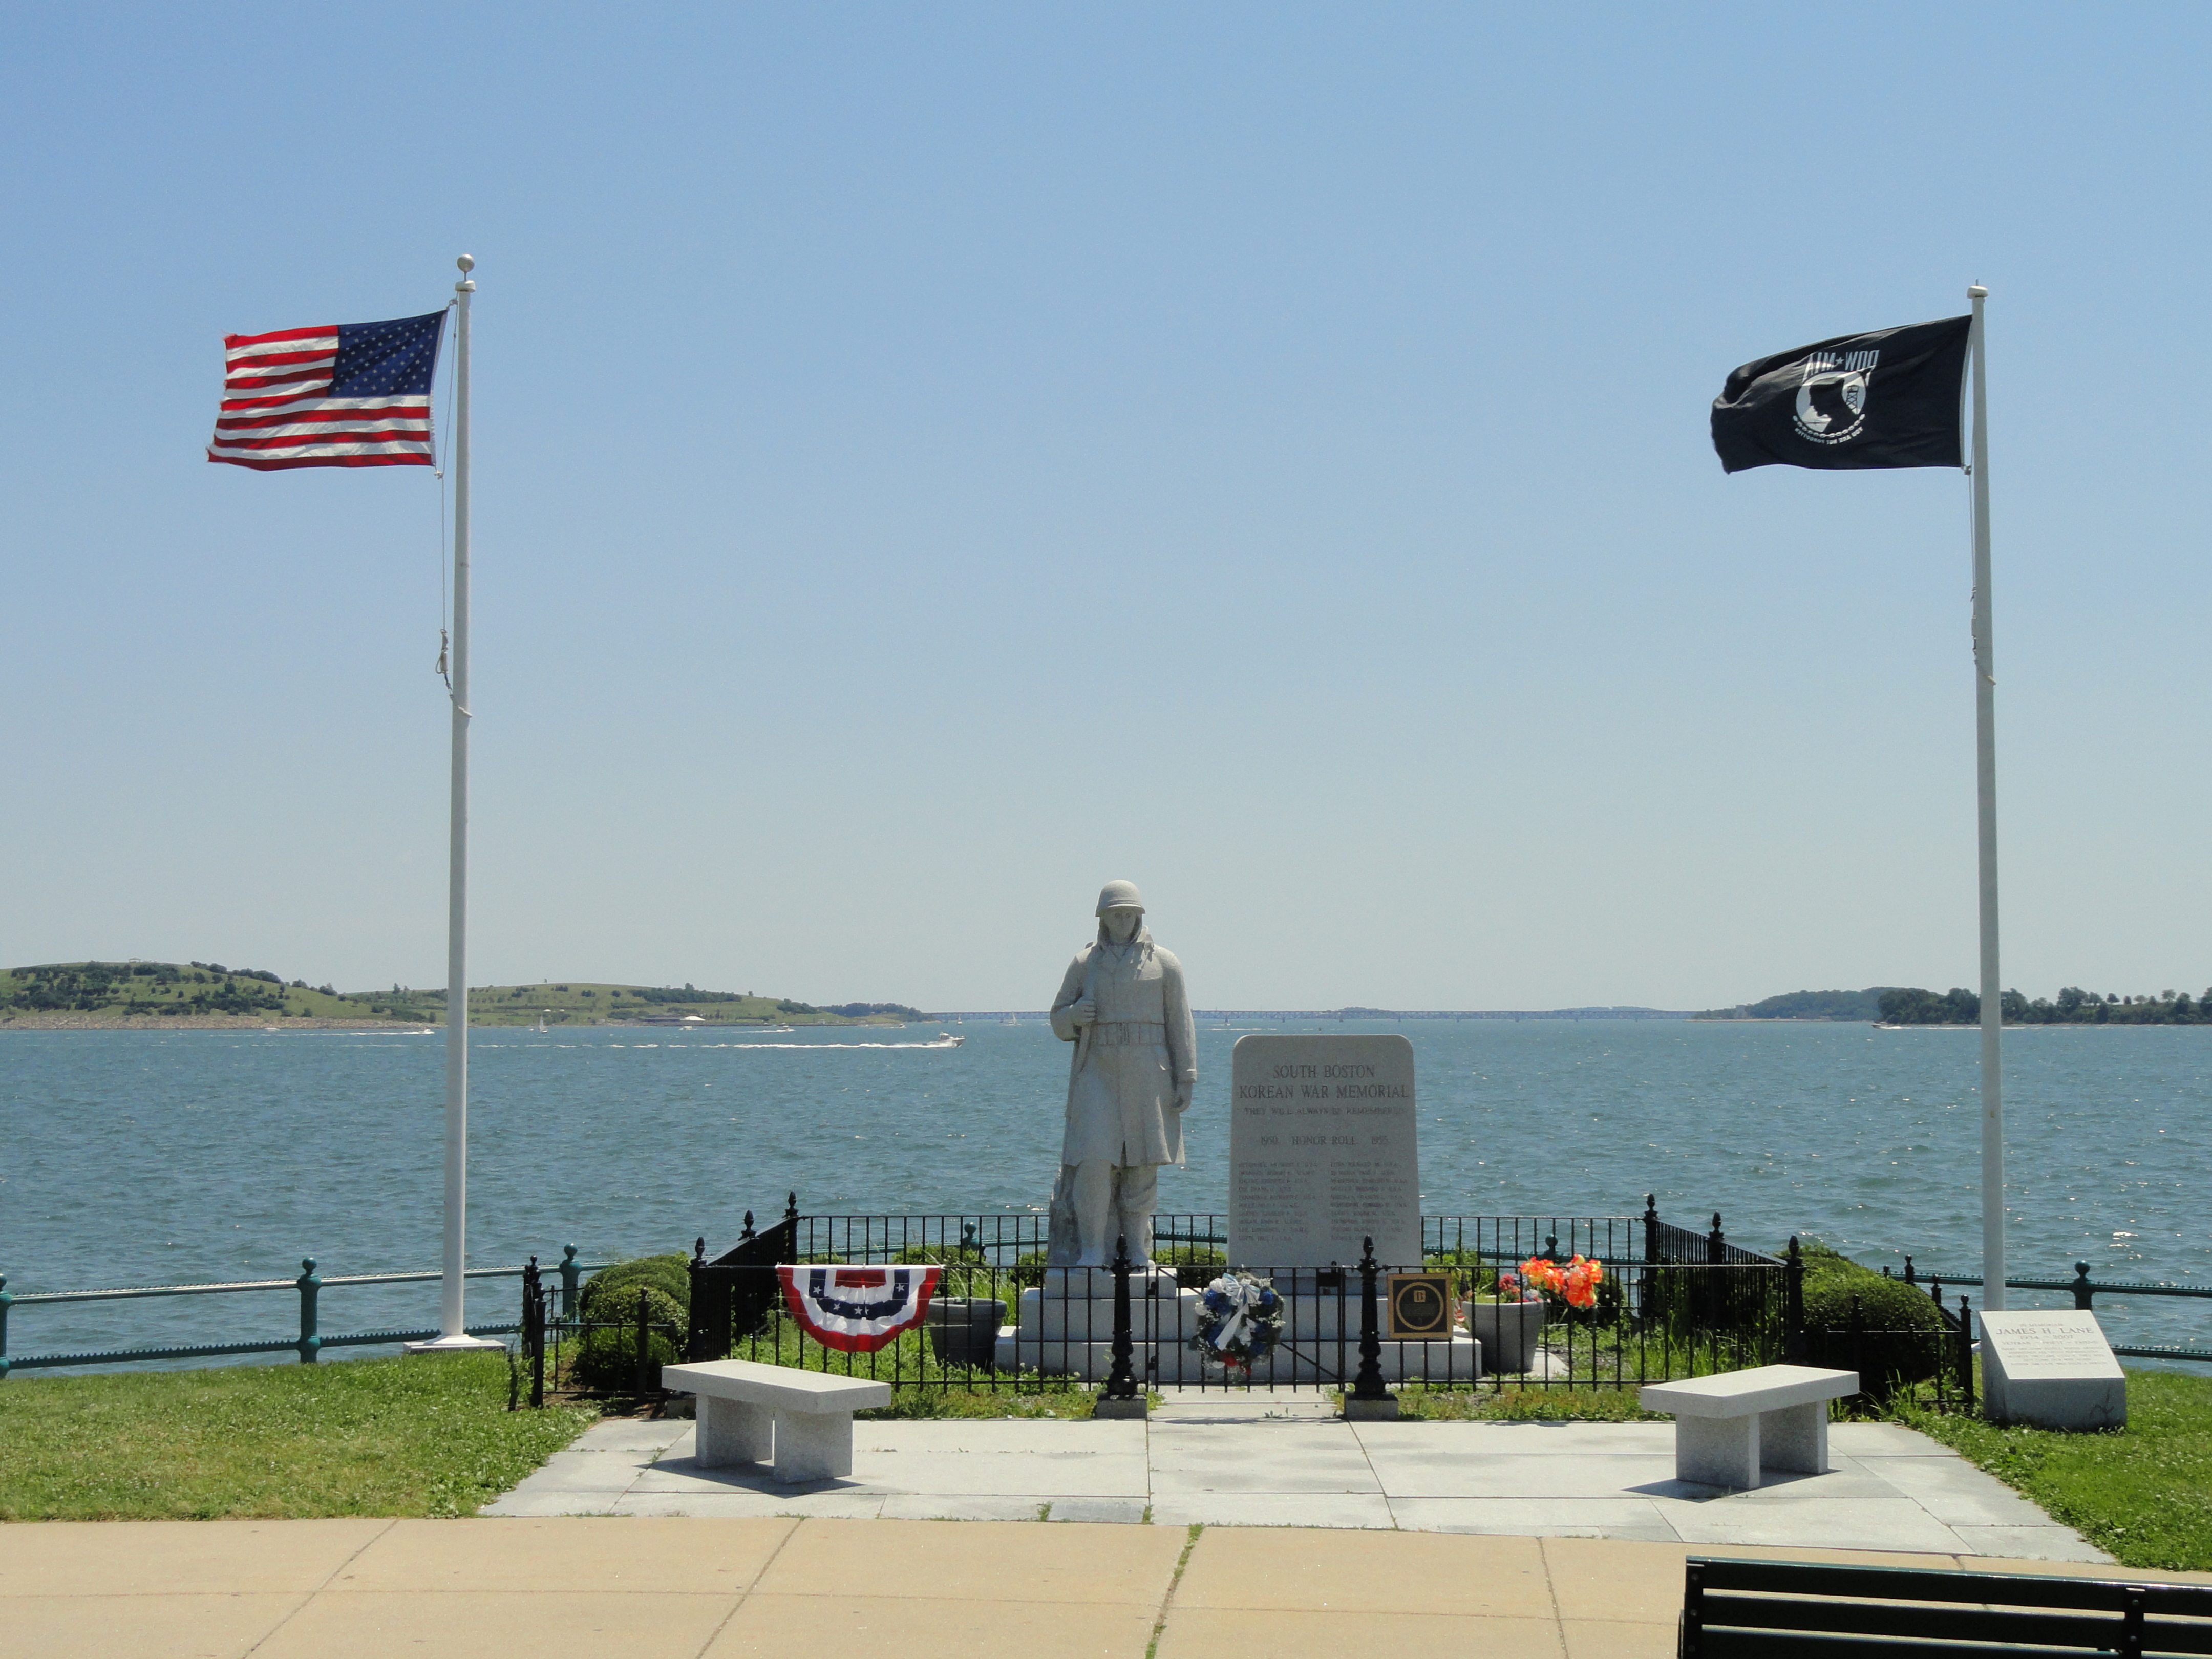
{"x":2051,"y":1371}
{"x":1323,"y":1152}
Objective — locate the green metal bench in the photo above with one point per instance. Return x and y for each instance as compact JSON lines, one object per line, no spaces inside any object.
{"x":1742,"y":1609}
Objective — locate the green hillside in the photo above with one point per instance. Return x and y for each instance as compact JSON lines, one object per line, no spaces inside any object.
{"x":588,"y":1002}
{"x":122,"y":988}
{"x":1810,"y":1005}
{"x":112,"y":990}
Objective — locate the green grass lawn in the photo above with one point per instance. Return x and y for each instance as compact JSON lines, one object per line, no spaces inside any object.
{"x":359,"y":1436}
{"x":1417,"y":1403}
{"x":2143,"y":1493}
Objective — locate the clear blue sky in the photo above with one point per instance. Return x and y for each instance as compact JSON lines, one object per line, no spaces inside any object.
{"x":931,"y":460}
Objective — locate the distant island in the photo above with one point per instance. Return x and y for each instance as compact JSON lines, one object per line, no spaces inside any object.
{"x":1896,"y":1005}
{"x":130,"y":993}
{"x":1808,"y":1004}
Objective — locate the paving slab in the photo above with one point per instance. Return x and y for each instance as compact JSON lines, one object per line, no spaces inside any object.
{"x":1248,"y":1460}
{"x":1273,"y":1633}
{"x":1359,"y":1511}
{"x":1599,"y":1581}
{"x":1843,"y":1479}
{"x":775,"y":1626}
{"x":931,"y":1560}
{"x":1864,"y":1523}
{"x":1355,"y":1584}
{"x":1403,"y":1472}
{"x":521,"y":1505}
{"x":589,"y":1471}
{"x":740,"y":1503}
{"x":634,"y":1434}
{"x":1535,"y":1517}
{"x":934,"y":1506}
{"x":172,"y":1626}
{"x":1884,"y":1440}
{"x":612,"y":1554}
{"x":1521,"y":1439}
{"x":548,"y":1623}
{"x":1616,"y":1638}
{"x":137,"y":1558}
{"x":998,"y":1437}
{"x":1118,"y":1511}
{"x":2027,"y":1546}
{"x":1259,"y":1457}
{"x":1957,"y":1493}
{"x":1250,"y":1570}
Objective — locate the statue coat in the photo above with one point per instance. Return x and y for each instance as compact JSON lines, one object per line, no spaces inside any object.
{"x":1122,"y":1081}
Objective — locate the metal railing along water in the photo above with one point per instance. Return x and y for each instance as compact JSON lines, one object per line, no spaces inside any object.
{"x":308,"y":1344}
{"x":2083,"y":1289}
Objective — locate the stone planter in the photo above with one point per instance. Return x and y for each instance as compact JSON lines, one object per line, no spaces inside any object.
{"x":1511,"y":1332}
{"x":963,"y":1330}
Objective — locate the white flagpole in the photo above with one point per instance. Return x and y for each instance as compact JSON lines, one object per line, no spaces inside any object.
{"x":453,"y":1323}
{"x":1985,"y":781}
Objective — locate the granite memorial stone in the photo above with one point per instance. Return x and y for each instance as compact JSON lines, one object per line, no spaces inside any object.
{"x":1323,"y":1152}
{"x":2051,"y":1370}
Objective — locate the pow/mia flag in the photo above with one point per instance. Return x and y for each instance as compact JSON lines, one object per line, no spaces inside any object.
{"x":1888,"y":399}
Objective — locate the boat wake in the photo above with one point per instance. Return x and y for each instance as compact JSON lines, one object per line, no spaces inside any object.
{"x":941,"y":1042}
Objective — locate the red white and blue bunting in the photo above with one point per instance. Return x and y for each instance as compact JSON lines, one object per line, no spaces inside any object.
{"x":857,"y":1309}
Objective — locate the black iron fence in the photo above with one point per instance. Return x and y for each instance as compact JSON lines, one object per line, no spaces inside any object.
{"x":554,"y":1317}
{"x":1650,"y":1301}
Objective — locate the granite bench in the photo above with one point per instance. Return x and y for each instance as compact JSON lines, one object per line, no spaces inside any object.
{"x":752,"y":1413}
{"x":1728,"y":1427}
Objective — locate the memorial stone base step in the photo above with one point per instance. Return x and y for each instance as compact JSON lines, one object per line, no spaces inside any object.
{"x":1158,"y":1310}
{"x":1320,"y":1362}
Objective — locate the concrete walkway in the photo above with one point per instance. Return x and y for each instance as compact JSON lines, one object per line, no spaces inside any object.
{"x":769,"y":1587}
{"x":1288,"y":1461}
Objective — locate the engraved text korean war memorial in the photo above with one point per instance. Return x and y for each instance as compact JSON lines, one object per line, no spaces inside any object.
{"x":1323,"y":1152}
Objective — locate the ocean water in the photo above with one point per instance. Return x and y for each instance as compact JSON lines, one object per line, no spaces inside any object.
{"x":162,"y":1157}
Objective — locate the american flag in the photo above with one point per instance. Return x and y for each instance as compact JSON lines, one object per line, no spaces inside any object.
{"x":352,"y":394}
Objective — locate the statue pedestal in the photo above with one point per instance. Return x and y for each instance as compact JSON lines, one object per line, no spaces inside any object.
{"x":1066,"y":1329}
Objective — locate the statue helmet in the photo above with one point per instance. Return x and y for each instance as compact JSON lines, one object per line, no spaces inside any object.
{"x":1119,"y":896}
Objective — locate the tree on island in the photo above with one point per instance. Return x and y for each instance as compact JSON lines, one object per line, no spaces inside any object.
{"x":2072,"y":1007}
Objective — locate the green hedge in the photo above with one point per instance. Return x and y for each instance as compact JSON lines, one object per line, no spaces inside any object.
{"x":1891,"y":1311}
{"x":669,"y":1274}
{"x":607,"y":1359}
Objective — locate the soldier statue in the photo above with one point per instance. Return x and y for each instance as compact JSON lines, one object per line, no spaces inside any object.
{"x":1123,"y":1005}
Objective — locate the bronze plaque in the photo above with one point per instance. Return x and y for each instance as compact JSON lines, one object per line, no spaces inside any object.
{"x":1420,"y":1307}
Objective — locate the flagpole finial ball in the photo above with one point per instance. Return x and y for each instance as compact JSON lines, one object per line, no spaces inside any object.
{"x":1977,"y":292}
{"x":467,"y":262}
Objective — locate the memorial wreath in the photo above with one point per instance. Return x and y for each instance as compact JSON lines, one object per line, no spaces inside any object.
{"x":1243,"y":1321}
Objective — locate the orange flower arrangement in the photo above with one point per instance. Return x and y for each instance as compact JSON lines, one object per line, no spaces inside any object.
{"x":1576,"y":1284}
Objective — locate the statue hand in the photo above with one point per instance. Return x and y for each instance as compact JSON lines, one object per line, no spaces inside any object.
{"x":1085,"y":1012}
{"x":1182,"y":1097}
